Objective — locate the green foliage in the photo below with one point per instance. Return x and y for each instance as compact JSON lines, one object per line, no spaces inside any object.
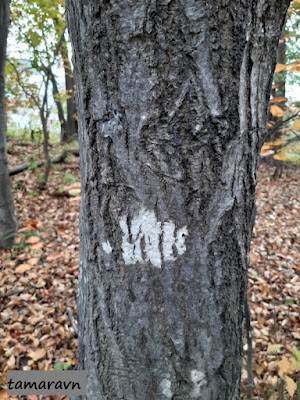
{"x":69,"y":178}
{"x":61,"y":367}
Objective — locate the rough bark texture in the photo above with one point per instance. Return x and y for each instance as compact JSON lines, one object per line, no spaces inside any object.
{"x":172,"y":105}
{"x":8,"y":222}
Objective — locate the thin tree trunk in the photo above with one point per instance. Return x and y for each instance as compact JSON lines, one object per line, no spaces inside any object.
{"x":8,"y":222}
{"x":69,"y":84}
{"x":172,"y":107}
{"x":64,"y":126}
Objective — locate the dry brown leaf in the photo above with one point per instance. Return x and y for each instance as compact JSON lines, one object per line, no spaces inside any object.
{"x":4,"y":395}
{"x":54,"y":256}
{"x":277,"y":100}
{"x":33,"y":261}
{"x":33,"y":240}
{"x":285,"y":367}
{"x":11,"y":362}
{"x":23,"y":268}
{"x":291,"y":386}
{"x":277,"y":111}
{"x":37,"y":354}
{"x":280,"y":156}
{"x":36,"y":246}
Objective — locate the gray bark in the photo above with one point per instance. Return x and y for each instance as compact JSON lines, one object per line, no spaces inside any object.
{"x":8,"y":222}
{"x":172,"y":107}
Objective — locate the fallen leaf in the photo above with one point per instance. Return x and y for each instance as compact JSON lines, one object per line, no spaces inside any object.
{"x":54,"y":256}
{"x":3,"y":395}
{"x":33,"y":261}
{"x":274,"y":348}
{"x":285,"y":367}
{"x":37,"y":354}
{"x":291,"y":386}
{"x":23,"y":268}
{"x":33,"y":240}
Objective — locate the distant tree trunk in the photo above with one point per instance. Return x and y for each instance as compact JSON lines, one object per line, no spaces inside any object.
{"x":8,"y":222}
{"x":279,"y":91}
{"x":69,"y":84}
{"x":172,"y":109}
{"x":64,"y":126}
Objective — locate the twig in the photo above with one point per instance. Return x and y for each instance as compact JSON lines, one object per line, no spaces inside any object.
{"x":17,"y":291}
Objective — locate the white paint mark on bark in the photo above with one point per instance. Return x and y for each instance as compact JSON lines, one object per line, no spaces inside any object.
{"x":142,"y":244}
{"x":165,"y":387}
{"x":107,"y":247}
{"x":197,"y":377}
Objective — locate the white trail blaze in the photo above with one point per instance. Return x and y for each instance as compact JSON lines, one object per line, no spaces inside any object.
{"x":146,"y":234}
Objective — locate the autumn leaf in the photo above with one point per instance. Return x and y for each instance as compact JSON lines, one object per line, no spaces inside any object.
{"x":54,"y":256}
{"x":285,"y":367}
{"x":280,"y":67}
{"x":280,"y":156}
{"x":277,"y":111}
{"x":37,"y":354}
{"x":33,"y":261}
{"x":277,"y":100}
{"x":4,"y":395}
{"x":274,"y":348}
{"x":23,"y":268}
{"x":33,"y":240}
{"x":279,"y":142}
{"x":295,"y":126}
{"x":291,"y":386}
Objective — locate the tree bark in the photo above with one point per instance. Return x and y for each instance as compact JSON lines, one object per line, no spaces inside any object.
{"x":172,"y":101}
{"x":64,"y":127}
{"x":8,"y":221}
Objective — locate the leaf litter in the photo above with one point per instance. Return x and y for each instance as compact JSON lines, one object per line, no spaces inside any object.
{"x":39,"y":278}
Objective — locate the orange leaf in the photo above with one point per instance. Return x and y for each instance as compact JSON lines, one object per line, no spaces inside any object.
{"x":33,"y":261}
{"x":32,"y":224}
{"x":33,"y":239}
{"x":280,"y":156}
{"x":53,"y":256}
{"x":277,"y":100}
{"x":279,"y":142}
{"x":280,"y":67}
{"x":37,"y":354}
{"x":277,"y":111}
{"x":3,"y":395}
{"x":253,"y":258}
{"x":267,"y":146}
{"x":22,"y":268}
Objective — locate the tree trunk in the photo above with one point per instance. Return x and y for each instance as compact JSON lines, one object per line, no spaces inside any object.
{"x":64,"y":128}
{"x":8,"y":222}
{"x":172,"y":108}
{"x":69,"y":84}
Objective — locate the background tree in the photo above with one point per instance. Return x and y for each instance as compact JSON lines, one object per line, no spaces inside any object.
{"x":8,"y":222}
{"x":172,"y":109}
{"x":40,"y":27}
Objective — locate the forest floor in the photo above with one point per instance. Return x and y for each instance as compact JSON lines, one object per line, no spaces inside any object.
{"x":38,"y":278}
